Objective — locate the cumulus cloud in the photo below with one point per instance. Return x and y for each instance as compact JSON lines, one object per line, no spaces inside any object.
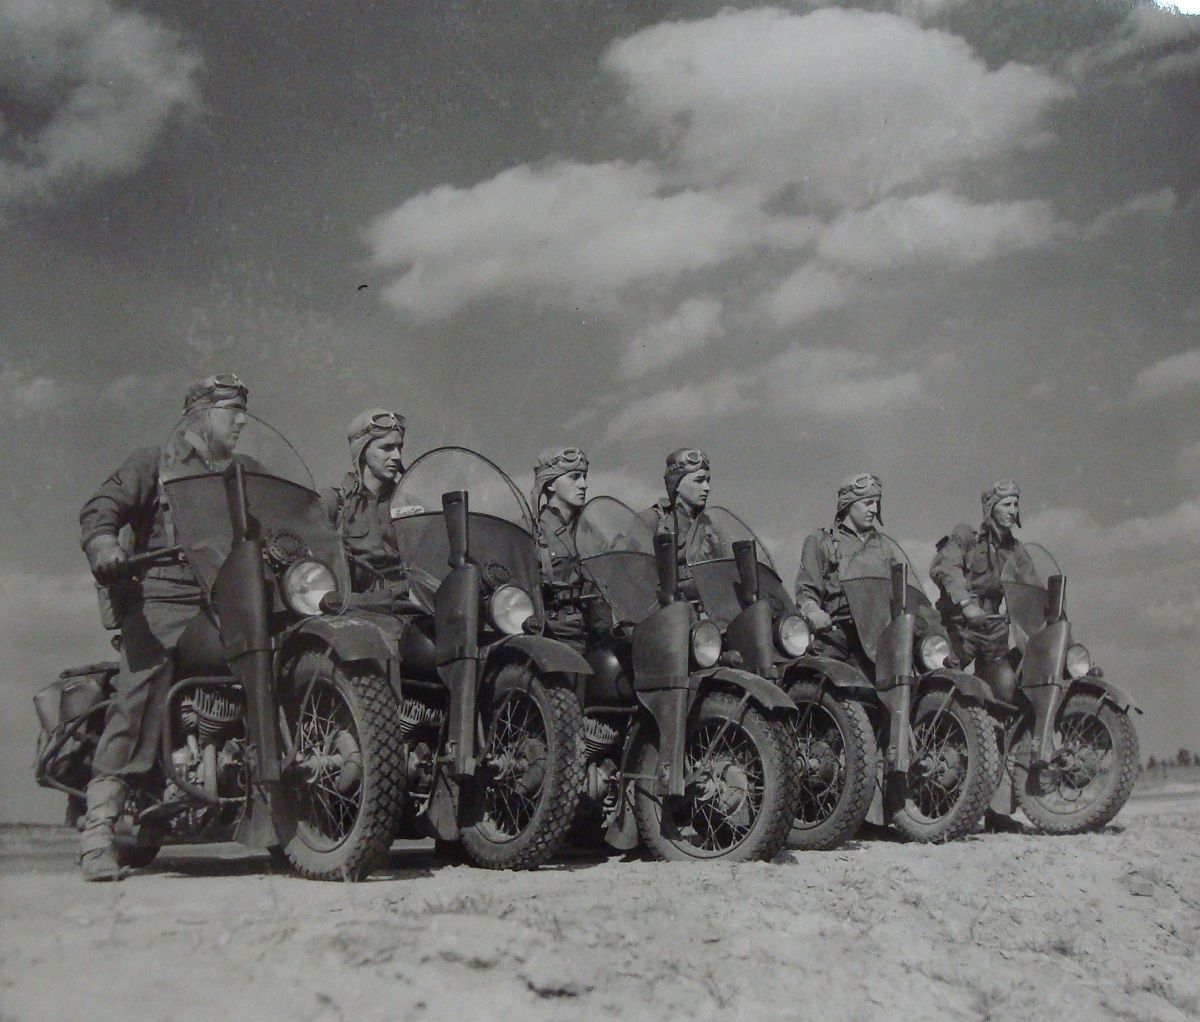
{"x":939,"y":226}
{"x":1152,"y":40}
{"x":567,"y":233}
{"x":1162,"y":202}
{"x":844,"y":106}
{"x":89,"y":88}
{"x":691,"y":327}
{"x":809,"y":290}
{"x":824,"y":382}
{"x":24,"y":393}
{"x":1168,"y":376}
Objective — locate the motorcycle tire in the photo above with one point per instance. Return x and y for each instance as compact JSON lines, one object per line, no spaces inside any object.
{"x":740,"y":765}
{"x":837,"y":761}
{"x":1092,"y":773}
{"x":531,"y":773}
{"x":952,"y":772}
{"x":345,"y":789}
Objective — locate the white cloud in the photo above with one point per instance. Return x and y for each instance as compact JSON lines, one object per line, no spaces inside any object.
{"x":109,"y":81}
{"x":570,"y":234}
{"x":939,"y":226}
{"x":810,"y":290}
{"x":1162,"y":202}
{"x":1168,"y":376}
{"x":691,"y":327}
{"x":23,"y":393}
{"x":833,"y":383}
{"x":823,"y":382}
{"x":1152,"y":40}
{"x":845,"y":106}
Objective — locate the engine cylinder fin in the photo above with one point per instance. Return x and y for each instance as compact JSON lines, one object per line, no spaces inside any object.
{"x":415,"y":714}
{"x":598,"y":736}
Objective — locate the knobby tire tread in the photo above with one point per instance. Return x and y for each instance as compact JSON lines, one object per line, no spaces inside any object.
{"x":855,"y":801}
{"x":383,"y":774}
{"x":1103,"y":811}
{"x":566,"y":721}
{"x":980,"y":779}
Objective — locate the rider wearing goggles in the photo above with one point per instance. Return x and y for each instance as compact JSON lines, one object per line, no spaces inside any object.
{"x":559,"y":492}
{"x":360,"y":507}
{"x":156,"y":610}
{"x":819,"y":594}
{"x":968,"y":569}
{"x":688,"y":479}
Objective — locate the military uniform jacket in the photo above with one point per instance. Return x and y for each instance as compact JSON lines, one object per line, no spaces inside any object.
{"x":364,"y":524}
{"x":970,"y":565}
{"x":821,"y":561}
{"x":697,"y":539}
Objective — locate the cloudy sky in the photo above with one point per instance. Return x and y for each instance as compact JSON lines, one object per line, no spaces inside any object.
{"x":944,"y":241}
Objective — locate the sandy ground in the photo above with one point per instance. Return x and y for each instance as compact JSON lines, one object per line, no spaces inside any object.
{"x":998,"y":926}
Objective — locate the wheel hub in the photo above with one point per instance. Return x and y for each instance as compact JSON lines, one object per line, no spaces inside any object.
{"x":726,"y":786}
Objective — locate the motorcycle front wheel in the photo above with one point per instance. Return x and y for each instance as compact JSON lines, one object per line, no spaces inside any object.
{"x":1091,"y":774}
{"x":952,"y":769}
{"x":345,"y":784}
{"x":530,"y":776}
{"x":837,"y":761}
{"x":741,"y":787}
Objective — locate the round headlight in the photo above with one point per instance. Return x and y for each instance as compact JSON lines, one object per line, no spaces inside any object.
{"x":706,"y":643}
{"x":934,"y":651}
{"x":792,"y":635}
{"x":1079,"y":660}
{"x":304,"y":583}
{"x":509,"y":608}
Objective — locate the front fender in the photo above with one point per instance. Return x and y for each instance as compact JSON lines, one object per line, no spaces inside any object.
{"x":768,"y":695}
{"x":966,"y":684}
{"x":351,"y":637}
{"x":840,"y":673}
{"x":550,"y":655}
{"x":1110,"y":693}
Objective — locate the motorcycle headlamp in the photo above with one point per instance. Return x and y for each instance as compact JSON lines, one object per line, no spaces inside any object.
{"x":509,"y":608}
{"x":792,"y":635}
{"x":304,"y":584}
{"x":934,"y":651}
{"x":706,"y":643}
{"x":1079,"y":661}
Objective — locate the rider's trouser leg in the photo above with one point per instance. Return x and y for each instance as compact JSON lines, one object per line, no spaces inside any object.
{"x":133,"y":725}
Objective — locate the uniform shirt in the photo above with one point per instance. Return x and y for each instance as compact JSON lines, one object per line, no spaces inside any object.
{"x":697,"y":539}
{"x":826,"y":552}
{"x":556,"y":537}
{"x":970,"y":565}
{"x":364,"y":523}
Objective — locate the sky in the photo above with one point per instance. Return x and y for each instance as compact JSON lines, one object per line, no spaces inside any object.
{"x":942,"y":241}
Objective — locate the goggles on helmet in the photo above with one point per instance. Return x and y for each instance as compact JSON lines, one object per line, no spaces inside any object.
{"x":379,"y":424}
{"x":570,"y":458}
{"x":216,"y":390}
{"x":690,"y":459}
{"x":866,"y":485}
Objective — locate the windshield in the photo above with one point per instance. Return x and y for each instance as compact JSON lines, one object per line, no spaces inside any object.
{"x":866,"y":577}
{"x":716,"y":577}
{"x":1025,"y":599}
{"x":285,"y":510}
{"x":500,"y":523}
{"x":616,"y":548}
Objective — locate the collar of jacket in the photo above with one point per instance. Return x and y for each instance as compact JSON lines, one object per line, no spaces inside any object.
{"x":988,"y":531}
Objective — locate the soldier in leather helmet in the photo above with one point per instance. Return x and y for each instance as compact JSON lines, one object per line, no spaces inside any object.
{"x":559,"y":493}
{"x":819,"y":594}
{"x":360,"y":506}
{"x":688,"y":480}
{"x":969,"y":568}
{"x":158,"y":607}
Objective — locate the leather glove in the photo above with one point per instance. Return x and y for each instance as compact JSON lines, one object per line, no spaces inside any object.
{"x":108,"y":560}
{"x":815,"y":616}
{"x":974,"y":613}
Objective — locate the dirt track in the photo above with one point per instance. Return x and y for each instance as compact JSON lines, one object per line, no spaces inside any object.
{"x":1006,"y":926}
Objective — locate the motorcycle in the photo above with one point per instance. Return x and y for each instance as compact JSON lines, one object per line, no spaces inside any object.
{"x":1070,"y":750}
{"x":741,"y":592}
{"x":939,"y":757}
{"x":685,"y":753}
{"x":278,"y":729}
{"x":489,"y":720}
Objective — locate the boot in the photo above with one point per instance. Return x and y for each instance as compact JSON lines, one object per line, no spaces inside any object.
{"x":97,"y":849}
